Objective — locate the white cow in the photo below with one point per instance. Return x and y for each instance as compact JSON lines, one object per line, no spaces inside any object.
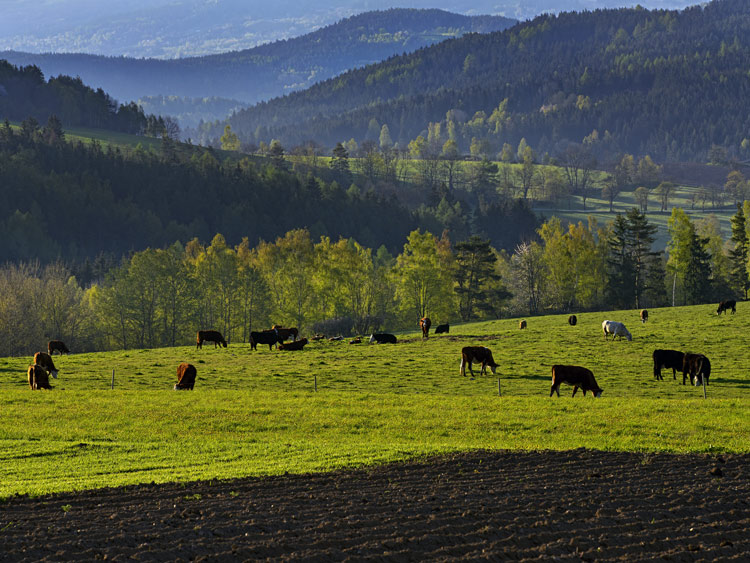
{"x":615,"y":329}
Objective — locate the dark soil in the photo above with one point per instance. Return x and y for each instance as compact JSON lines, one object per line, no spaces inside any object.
{"x":551,"y":506}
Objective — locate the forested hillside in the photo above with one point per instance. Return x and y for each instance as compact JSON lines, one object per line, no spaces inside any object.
{"x":75,"y":201}
{"x":665,"y":83}
{"x":269,"y":70}
{"x":24,"y":93}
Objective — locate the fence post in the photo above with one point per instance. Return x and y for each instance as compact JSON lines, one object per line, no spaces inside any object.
{"x":498,"y":388}
{"x":316,"y":382}
{"x":112,"y":385}
{"x":704,"y":386}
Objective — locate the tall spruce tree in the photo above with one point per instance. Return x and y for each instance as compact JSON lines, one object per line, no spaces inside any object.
{"x":738,"y":275}
{"x":698,"y":274}
{"x":474,"y":276}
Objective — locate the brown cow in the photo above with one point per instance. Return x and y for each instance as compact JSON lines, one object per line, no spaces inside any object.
{"x":210,"y":336}
{"x":45,"y":360}
{"x":425,"y":323}
{"x":57,"y":346}
{"x":575,"y":376}
{"x":285,"y":333}
{"x":38,"y":377}
{"x":522,"y":324}
{"x":572,"y":320}
{"x":644,"y":315}
{"x":295,"y":345}
{"x":696,"y":366}
{"x":186,"y":374}
{"x":479,"y":354}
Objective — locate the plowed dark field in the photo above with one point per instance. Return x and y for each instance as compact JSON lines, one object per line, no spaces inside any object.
{"x":560,"y":506}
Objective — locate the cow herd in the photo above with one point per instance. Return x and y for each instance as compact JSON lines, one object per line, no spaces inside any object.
{"x":694,"y":367}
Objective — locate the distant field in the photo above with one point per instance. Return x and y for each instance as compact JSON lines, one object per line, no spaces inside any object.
{"x":256,"y":413}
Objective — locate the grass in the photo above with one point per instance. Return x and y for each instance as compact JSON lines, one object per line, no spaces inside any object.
{"x":255,"y":413}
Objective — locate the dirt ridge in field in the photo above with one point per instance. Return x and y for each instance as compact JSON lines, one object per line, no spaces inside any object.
{"x":563,"y":506}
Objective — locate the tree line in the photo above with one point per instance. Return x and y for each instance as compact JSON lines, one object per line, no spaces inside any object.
{"x":162,"y":296}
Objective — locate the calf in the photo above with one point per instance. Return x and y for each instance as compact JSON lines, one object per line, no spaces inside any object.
{"x":295,"y":345}
{"x":577,"y":377}
{"x":440,"y":329}
{"x":210,"y":336}
{"x":186,"y":374}
{"x":265,"y":337}
{"x":38,"y":377}
{"x":696,"y":366}
{"x":572,"y":320}
{"x":57,"y":346}
{"x":665,"y":359}
{"x":479,"y":354}
{"x":615,"y":329}
{"x":45,"y":360}
{"x":644,"y":315}
{"x":383,"y":338}
{"x":724,"y":306}
{"x":425,"y":323}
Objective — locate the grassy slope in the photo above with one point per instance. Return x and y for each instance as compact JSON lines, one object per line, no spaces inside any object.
{"x":255,"y":413}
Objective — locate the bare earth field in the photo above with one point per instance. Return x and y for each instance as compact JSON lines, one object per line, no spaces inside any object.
{"x":562,"y":506}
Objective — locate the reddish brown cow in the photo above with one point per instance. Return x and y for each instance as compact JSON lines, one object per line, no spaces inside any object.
{"x":285,"y":333}
{"x":644,"y":315}
{"x":425,"y":323}
{"x":210,"y":336}
{"x":575,"y":376}
{"x":295,"y":345}
{"x":45,"y":360}
{"x":57,"y":346}
{"x":186,"y":374}
{"x":696,"y":367}
{"x":522,"y":325}
{"x":38,"y":377}
{"x":479,"y":354}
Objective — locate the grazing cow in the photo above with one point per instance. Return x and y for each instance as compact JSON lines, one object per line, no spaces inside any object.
{"x":575,"y":376}
{"x":644,"y":315}
{"x":295,"y":345}
{"x":697,"y":366}
{"x":57,"y":346}
{"x":724,"y":306}
{"x":285,"y":333}
{"x":186,"y":374}
{"x":38,"y":377}
{"x":425,"y":323}
{"x":572,"y":320}
{"x":522,"y":325}
{"x":665,"y":359}
{"x":265,"y":337}
{"x":383,"y":338}
{"x":45,"y":360}
{"x":615,"y":329}
{"x":440,"y":329}
{"x":210,"y":336}
{"x":478,"y":354}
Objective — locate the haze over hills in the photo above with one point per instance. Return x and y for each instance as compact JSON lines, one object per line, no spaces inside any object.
{"x":179,"y":28}
{"x":263,"y":72}
{"x":666,"y":83}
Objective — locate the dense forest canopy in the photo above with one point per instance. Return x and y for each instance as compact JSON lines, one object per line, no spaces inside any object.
{"x":665,"y":83}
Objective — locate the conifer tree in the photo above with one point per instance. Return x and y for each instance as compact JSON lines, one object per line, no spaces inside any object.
{"x":738,"y":275}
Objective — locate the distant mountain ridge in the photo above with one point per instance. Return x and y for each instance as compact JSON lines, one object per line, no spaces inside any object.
{"x":270,"y":70}
{"x":666,"y":83}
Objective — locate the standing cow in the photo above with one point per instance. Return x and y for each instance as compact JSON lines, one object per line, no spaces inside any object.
{"x":186,"y":374}
{"x":57,"y":346}
{"x":425,"y":323}
{"x":665,"y":359}
{"x":38,"y":377}
{"x":269,"y":337}
{"x":697,"y":367}
{"x":210,"y":336}
{"x":522,"y":324}
{"x":572,"y":320}
{"x":45,"y":360}
{"x":724,"y":306}
{"x":576,"y":376}
{"x":615,"y":329}
{"x":478,"y":354}
{"x":644,"y":315}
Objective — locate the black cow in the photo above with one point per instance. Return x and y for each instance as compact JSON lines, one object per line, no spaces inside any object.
{"x":572,"y":320}
{"x":577,"y":376}
{"x":665,"y":359}
{"x":383,"y":338}
{"x":696,"y":366}
{"x":724,"y":306}
{"x":266,"y":337}
{"x":440,"y":329}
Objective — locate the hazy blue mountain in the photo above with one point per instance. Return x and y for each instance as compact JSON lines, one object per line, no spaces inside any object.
{"x":179,"y":28}
{"x":266,"y":71}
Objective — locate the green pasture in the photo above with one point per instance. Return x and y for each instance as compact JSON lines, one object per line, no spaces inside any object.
{"x":257,"y":413}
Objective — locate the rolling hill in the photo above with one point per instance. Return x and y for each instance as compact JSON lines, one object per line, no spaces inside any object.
{"x":666,"y":83}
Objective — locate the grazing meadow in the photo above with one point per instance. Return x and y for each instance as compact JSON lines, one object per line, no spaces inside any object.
{"x":336,"y":405}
